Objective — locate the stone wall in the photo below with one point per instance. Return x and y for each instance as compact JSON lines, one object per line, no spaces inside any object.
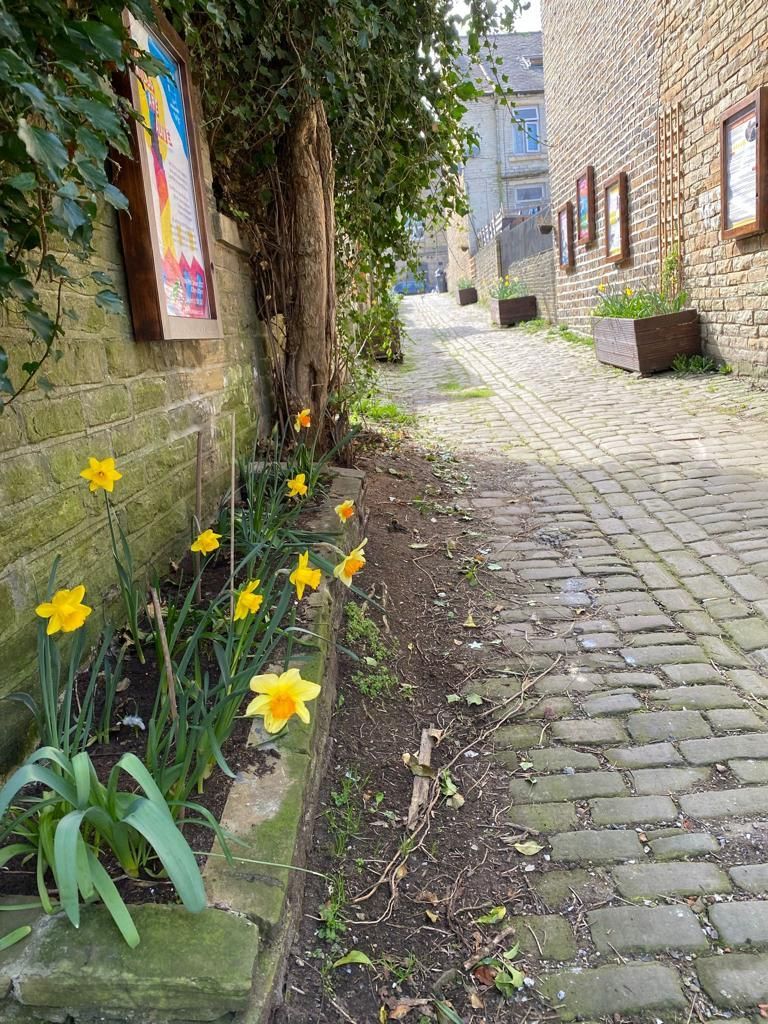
{"x":538,"y":272}
{"x":643,"y":59}
{"x":142,"y":403}
{"x":486,"y":266}
{"x":459,"y":260}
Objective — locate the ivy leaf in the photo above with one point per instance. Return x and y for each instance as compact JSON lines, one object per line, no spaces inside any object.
{"x":24,"y":182}
{"x":3,"y":361}
{"x":41,"y":324}
{"x":108,"y":43}
{"x":100,"y":277}
{"x":30,"y":368}
{"x":44,"y":148}
{"x":110,"y":301}
{"x":45,"y":385}
{"x":9,"y":27}
{"x":115,"y":197}
{"x":467,"y":91}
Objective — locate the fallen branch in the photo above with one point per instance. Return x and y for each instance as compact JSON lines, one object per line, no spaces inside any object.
{"x":420,"y":793}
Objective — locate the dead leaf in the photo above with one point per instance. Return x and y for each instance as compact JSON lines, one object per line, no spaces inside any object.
{"x":475,"y":1001}
{"x":418,"y":547}
{"x":484,"y":974}
{"x":401,"y":872}
{"x":421,"y":771}
{"x":436,"y":734}
{"x":455,"y":802}
{"x":383,"y":1015}
{"x":528,"y":849}
{"x":470,"y":622}
{"x":763,"y":1008}
{"x":123,"y":685}
{"x":431,"y":916}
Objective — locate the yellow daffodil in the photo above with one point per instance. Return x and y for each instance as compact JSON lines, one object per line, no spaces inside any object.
{"x":248,"y":601}
{"x":280,"y":698}
{"x":65,"y":611}
{"x":303,"y":420}
{"x":353,"y":563}
{"x":207,"y":542}
{"x":601,"y":287}
{"x":302,"y":576}
{"x":345,"y":510}
{"x":101,"y":473}
{"x":297,"y":485}
{"x":629,"y":292}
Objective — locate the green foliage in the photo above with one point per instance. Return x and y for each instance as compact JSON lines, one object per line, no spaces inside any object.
{"x":694,"y":364}
{"x":59,"y":117}
{"x":389,"y":413}
{"x":362,"y":632}
{"x":637,"y":305}
{"x":344,"y":814}
{"x":573,"y":337}
{"x":508,"y":288}
{"x":465,"y":282}
{"x":332,"y":925}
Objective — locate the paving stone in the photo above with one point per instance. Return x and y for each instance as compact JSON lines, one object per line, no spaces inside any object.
{"x":549,"y":708}
{"x":724,"y":748}
{"x":548,"y":936}
{"x":597,"y":847}
{"x":705,"y":588}
{"x":751,"y":683}
{"x":729,"y":608}
{"x":750,"y":634}
{"x":649,"y":881}
{"x":577,"y":682}
{"x":748,"y":586}
{"x":726,"y":803}
{"x":630,"y":810}
{"x":622,"y":990}
{"x":676,"y":600}
{"x":700,"y":698}
{"x":657,"y":638}
{"x":554,"y":788}
{"x":519,"y":737}
{"x":650,"y":726}
{"x":680,"y":847}
{"x":557,"y":887}
{"x":555,"y":759}
{"x":692,"y":673}
{"x":645,"y":930}
{"x":751,"y":877}
{"x":657,"y":781}
{"x":698,"y":623}
{"x":750,"y":771}
{"x":733,"y":719}
{"x":590,"y":732}
{"x":741,"y":924}
{"x":611,"y":704}
{"x":663,"y":654}
{"x":721,"y":654}
{"x":640,"y":623}
{"x":634,"y":680}
{"x":644,"y":757}
{"x":543,"y":817}
{"x":734,"y":979}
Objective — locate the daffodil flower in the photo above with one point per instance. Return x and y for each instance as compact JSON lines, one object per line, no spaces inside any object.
{"x":303,"y":420}
{"x":101,"y":473}
{"x":248,"y":602}
{"x":297,"y":485}
{"x":207,"y":542}
{"x":345,"y":510}
{"x":601,"y":287}
{"x":65,"y":611}
{"x":353,"y":563}
{"x":280,"y":698}
{"x":302,"y":576}
{"x":629,"y":292}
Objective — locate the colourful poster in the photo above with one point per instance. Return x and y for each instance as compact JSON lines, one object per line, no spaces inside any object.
{"x":172,"y":192}
{"x":565,"y":255}
{"x":741,"y":170}
{"x":582,"y":200}
{"x":613,"y":203}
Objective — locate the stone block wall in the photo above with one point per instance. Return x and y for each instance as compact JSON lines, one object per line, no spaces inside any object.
{"x":144,"y":404}
{"x":459,"y":260}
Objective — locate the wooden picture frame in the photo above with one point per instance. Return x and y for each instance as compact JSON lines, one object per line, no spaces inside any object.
{"x":744,"y":167}
{"x":565,"y":254}
{"x":166,"y":231}
{"x":616,"y":218}
{"x":586,"y":228}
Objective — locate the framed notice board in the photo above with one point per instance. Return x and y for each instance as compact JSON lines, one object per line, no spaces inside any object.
{"x":744,"y":167}
{"x":165,"y":233}
{"x":565,"y":236}
{"x":616,"y":219}
{"x":585,"y":206}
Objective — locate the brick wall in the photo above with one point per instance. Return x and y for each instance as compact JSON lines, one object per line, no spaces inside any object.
{"x":486,"y":265}
{"x":642,"y":58}
{"x":144,"y":404}
{"x":538,"y":273}
{"x":459,"y":260}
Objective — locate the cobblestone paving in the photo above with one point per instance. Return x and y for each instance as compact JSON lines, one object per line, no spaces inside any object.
{"x":640,"y":554}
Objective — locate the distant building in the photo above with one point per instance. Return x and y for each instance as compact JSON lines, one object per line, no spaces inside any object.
{"x":506,"y":174}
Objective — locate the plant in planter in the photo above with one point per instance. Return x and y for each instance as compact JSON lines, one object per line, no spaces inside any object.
{"x":646,"y":330}
{"x":467,"y":293}
{"x":510,"y":302}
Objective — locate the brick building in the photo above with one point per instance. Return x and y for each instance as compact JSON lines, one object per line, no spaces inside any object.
{"x":644,"y":93}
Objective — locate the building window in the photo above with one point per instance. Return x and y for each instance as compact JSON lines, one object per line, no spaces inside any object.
{"x":525,"y":131}
{"x":526,"y":200}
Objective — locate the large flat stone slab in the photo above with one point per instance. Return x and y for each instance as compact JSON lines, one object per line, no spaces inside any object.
{"x":596,"y":847}
{"x":751,"y":877}
{"x":741,"y":924}
{"x":735,"y":979}
{"x":567,"y":787}
{"x":558,"y":817}
{"x":632,"y":810}
{"x":658,"y":726}
{"x":645,"y":929}
{"x":557,"y":887}
{"x":681,"y":847}
{"x":725,"y":748}
{"x":549,"y":936}
{"x":589,"y":732}
{"x":726,"y":803}
{"x":628,"y":990}
{"x":651,"y":781}
{"x":644,"y":756}
{"x":699,"y":698}
{"x":649,"y":881}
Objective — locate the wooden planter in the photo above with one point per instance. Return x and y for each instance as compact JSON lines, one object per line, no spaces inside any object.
{"x":467,"y":296}
{"x":648,"y":345}
{"x":506,"y":312}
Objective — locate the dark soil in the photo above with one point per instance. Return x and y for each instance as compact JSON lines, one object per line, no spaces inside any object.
{"x":419,"y":927}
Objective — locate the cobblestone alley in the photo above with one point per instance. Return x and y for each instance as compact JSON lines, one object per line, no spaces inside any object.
{"x":640,"y":551}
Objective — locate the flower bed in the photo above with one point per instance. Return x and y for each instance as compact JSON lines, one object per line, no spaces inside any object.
{"x":509,"y":304}
{"x":99,"y":809}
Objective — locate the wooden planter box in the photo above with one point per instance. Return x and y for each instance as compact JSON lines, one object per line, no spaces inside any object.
{"x":648,"y":345}
{"x":506,"y":312}
{"x":467,"y":296}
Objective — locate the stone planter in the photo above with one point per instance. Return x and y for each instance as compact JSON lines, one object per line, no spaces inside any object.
{"x":507,"y":312}
{"x":467,"y":296}
{"x":648,"y":345}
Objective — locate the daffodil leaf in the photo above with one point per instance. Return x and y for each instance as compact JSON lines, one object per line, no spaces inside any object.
{"x":446,"y":1013}
{"x":529,"y":848}
{"x":511,"y":954}
{"x":355,"y":956}
{"x":494,"y":915}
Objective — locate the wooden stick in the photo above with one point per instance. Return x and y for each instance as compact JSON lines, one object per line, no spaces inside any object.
{"x":420,"y":785}
{"x":166,"y":655}
{"x":232,"y":522}
{"x":198,"y":508}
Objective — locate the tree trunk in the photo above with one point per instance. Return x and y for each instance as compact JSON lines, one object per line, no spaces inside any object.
{"x":308,"y":264}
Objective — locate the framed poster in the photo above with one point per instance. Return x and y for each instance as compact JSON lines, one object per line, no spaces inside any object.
{"x":616,"y":219}
{"x":165,"y":232}
{"x":565,"y":235}
{"x":585,"y":206}
{"x":744,"y":167}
